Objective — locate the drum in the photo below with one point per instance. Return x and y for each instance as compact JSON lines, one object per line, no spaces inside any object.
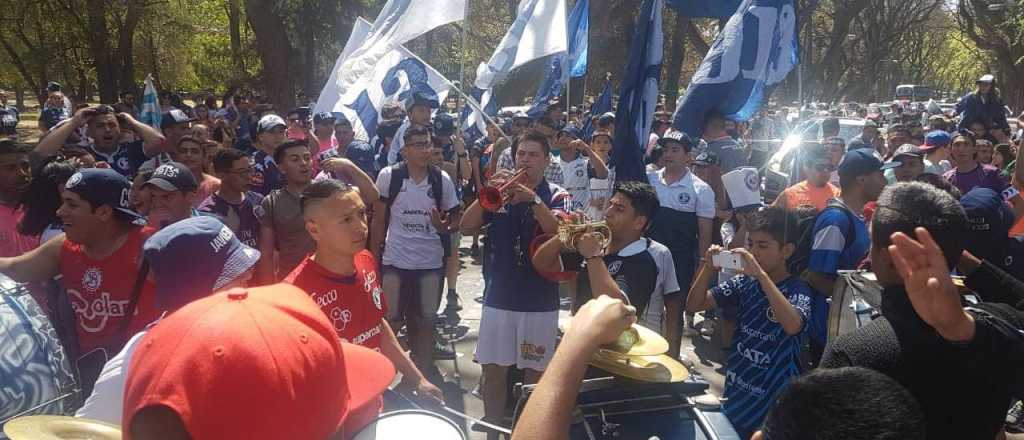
{"x":856,"y":301}
{"x":414,"y":423}
{"x":614,"y":408}
{"x":35,"y":373}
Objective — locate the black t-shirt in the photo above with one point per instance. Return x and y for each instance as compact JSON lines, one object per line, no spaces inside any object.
{"x":643,"y":270}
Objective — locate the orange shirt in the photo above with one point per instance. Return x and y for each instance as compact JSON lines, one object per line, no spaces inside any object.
{"x":803,"y":194}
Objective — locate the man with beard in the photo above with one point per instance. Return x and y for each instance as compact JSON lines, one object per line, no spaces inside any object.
{"x":15,"y":177}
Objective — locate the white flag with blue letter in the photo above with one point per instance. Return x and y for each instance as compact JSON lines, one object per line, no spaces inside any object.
{"x":396,"y":76}
{"x":753,"y":53}
{"x":398,"y":22}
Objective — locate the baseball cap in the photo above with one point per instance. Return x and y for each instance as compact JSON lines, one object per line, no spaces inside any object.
{"x":675,"y":136}
{"x":444,"y":124}
{"x":257,"y":363}
{"x":322,"y":117}
{"x":857,"y":143}
{"x":104,"y":186}
{"x":988,"y":221}
{"x":907,"y":150}
{"x":421,"y":98}
{"x":194,"y":257}
{"x":268,"y":122}
{"x":572,"y":130}
{"x":986,"y":78}
{"x":174,"y":117}
{"x":860,"y":162}
{"x":520,"y":115}
{"x":606,"y":118}
{"x":173,"y":176}
{"x":935,"y":139}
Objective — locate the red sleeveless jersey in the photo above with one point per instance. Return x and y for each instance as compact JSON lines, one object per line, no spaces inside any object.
{"x":100,"y":292}
{"x":355,"y":304}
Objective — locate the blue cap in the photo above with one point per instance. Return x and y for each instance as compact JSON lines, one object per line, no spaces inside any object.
{"x":862,"y":161}
{"x":936,"y":139}
{"x":444,"y":124}
{"x":104,"y":186}
{"x":193,"y":258}
{"x":173,"y":176}
{"x":573,"y":130}
{"x":322,"y":117}
{"x":421,"y":98}
{"x":988,"y":221}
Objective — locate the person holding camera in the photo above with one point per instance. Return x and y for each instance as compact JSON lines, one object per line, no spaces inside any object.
{"x":773,"y":308}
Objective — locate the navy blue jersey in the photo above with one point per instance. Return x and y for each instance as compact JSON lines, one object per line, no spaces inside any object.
{"x":764,"y":357}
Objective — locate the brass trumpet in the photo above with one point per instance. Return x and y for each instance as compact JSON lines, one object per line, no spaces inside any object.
{"x":492,"y":198}
{"x":570,"y":231}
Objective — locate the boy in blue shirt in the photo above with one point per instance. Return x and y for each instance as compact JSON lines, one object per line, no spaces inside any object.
{"x":773,"y":309}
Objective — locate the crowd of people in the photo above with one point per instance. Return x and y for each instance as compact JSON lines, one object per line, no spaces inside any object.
{"x":240,"y":256}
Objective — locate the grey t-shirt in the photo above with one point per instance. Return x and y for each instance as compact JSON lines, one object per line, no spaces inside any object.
{"x":283,"y":213}
{"x":731,"y":155}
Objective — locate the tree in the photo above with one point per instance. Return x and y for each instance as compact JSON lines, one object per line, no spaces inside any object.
{"x":997,"y":32}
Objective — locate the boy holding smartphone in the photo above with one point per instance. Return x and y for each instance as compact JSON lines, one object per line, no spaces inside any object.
{"x":773,"y":308}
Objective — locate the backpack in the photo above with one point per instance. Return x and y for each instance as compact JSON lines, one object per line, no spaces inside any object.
{"x":801,"y":258}
{"x":400,"y":172}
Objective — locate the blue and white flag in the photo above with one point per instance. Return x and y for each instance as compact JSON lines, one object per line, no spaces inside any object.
{"x":602,"y":105}
{"x":753,"y":53}
{"x":564,"y":65}
{"x":638,"y":95}
{"x":538,"y":31}
{"x":705,"y":8}
{"x":398,"y":22}
{"x":396,"y":76}
{"x":149,"y":114}
{"x":474,"y":126}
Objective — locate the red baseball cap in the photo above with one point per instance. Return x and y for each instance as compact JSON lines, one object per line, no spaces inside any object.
{"x":258,"y":363}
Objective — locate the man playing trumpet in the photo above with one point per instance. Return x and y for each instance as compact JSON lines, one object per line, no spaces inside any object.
{"x":632,"y":268}
{"x":519,"y":322}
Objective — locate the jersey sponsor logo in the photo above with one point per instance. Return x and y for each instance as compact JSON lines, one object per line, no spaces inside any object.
{"x":756,"y":357}
{"x":684,"y":197}
{"x":94,"y":314}
{"x":532,"y":352}
{"x":615,"y":267}
{"x":91,"y":279}
{"x":365,"y":336}
{"x":371,"y":286}
{"x":340,"y":318}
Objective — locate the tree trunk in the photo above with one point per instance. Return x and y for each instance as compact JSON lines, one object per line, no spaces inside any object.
{"x":309,"y":73}
{"x":234,"y":28}
{"x":99,"y":47}
{"x":675,"y":57}
{"x":126,"y":48}
{"x":275,"y":51}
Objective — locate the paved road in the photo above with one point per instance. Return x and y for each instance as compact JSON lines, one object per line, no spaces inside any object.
{"x":462,"y":374}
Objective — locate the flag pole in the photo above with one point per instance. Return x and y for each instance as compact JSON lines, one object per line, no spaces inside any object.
{"x":477,"y":107}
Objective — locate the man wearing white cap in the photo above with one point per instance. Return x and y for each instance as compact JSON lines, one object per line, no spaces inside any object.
{"x":270,"y":132}
{"x":982,"y":105}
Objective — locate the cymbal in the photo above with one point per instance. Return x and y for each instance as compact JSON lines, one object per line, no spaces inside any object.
{"x":60,"y":428}
{"x":657,"y":368}
{"x":635,"y":341}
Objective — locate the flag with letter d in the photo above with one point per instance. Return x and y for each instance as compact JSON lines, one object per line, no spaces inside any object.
{"x":753,"y":54}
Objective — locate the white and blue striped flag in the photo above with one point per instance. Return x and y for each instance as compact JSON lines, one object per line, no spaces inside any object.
{"x":150,"y":113}
{"x":572,"y":63}
{"x":539,"y":30}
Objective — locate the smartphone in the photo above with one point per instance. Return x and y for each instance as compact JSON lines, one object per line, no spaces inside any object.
{"x":727,"y":260}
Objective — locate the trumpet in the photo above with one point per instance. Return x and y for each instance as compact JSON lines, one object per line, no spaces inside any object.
{"x":492,"y":198}
{"x":570,"y":231}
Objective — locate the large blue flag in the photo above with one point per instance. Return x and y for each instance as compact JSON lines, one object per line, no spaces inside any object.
{"x":705,"y":8}
{"x":638,"y":95}
{"x":602,"y":105}
{"x":753,"y":53}
{"x":565,"y":65}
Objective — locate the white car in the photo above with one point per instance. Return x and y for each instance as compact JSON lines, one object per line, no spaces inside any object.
{"x":781,"y":170}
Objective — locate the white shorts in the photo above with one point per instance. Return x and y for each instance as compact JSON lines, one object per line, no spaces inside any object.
{"x":523,"y":339}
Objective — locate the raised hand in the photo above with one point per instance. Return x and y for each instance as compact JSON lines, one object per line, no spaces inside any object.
{"x":929,"y":286}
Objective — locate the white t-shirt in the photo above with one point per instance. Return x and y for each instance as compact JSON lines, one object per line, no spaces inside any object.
{"x":689,"y":194}
{"x":412,"y":242}
{"x":600,"y":192}
{"x":106,"y":401}
{"x":576,"y":181}
{"x":937,"y":168}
